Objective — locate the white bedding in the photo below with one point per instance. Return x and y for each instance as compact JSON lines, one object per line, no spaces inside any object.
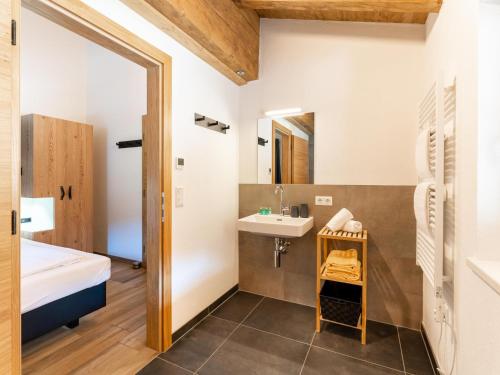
{"x":39,"y":257}
{"x":61,"y":272}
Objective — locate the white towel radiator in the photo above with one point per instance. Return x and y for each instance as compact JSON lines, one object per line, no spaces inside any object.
{"x":437,"y":113}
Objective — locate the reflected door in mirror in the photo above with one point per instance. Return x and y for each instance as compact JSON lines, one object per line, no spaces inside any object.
{"x":285,"y":153}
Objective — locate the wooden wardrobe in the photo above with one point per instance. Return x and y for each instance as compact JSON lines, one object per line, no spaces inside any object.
{"x":56,"y":161}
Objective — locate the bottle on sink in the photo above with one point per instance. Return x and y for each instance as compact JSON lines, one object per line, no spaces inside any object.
{"x":265,"y":211}
{"x":304,"y":210}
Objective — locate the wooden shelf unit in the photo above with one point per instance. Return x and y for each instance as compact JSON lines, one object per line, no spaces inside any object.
{"x":324,"y":237}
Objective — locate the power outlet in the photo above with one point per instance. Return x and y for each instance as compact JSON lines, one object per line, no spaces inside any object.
{"x":323,"y":200}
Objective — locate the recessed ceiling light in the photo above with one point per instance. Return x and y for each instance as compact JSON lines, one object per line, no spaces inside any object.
{"x":283,"y":112}
{"x":240,"y":72}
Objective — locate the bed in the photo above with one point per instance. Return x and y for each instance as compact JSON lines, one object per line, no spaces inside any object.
{"x":59,"y":286}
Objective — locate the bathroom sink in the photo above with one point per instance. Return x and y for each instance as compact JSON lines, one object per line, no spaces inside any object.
{"x":276,"y":225}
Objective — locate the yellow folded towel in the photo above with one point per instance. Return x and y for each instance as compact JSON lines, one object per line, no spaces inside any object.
{"x":343,"y":264}
{"x":348,"y":273}
{"x":342,"y":258}
{"x":334,"y":267}
{"x":343,"y":276}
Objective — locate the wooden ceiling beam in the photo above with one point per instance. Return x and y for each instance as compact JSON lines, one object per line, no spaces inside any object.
{"x":348,"y":16}
{"x":220,"y":32}
{"x":393,"y":6}
{"x":304,"y":122}
{"x":225,"y":33}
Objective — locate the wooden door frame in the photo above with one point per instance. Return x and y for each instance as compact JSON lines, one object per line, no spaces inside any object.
{"x":77,"y":17}
{"x":276,"y":127}
{"x":15,"y":360}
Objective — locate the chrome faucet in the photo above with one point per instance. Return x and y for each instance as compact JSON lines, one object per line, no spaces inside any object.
{"x":284,"y":208}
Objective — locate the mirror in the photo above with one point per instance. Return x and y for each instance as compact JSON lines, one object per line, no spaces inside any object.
{"x":285,"y":149}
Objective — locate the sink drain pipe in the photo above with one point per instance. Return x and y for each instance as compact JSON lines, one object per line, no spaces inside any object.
{"x":280,"y":247}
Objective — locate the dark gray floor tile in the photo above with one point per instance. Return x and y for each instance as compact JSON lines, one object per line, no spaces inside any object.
{"x":249,"y":351}
{"x":238,"y":306}
{"x":199,"y":344}
{"x":415,"y":355}
{"x":159,"y":367}
{"x":323,"y":362}
{"x":284,"y":318}
{"x":382,"y":343}
{"x":186,"y":327}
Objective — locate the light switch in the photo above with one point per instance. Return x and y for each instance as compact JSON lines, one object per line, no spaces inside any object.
{"x":323,"y":200}
{"x":179,"y":196}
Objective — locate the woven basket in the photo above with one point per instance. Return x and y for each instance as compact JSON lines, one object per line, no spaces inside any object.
{"x":341,"y":302}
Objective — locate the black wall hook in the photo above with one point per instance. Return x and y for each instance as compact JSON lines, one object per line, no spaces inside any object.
{"x":261,"y":141}
{"x":129,"y":144}
{"x":209,"y":123}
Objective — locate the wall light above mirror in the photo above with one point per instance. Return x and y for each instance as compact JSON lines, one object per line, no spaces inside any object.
{"x":285,"y":149}
{"x":283,"y":112}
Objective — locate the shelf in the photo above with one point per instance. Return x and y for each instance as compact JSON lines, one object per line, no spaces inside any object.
{"x":324,"y":245}
{"x":353,"y":282}
{"x":342,"y":235}
{"x":358,"y":326}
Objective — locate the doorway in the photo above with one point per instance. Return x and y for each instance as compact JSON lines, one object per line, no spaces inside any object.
{"x":87,"y":23}
{"x":282,"y":149}
{"x":84,"y":21}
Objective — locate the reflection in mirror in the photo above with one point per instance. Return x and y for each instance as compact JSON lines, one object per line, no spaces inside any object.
{"x":286,"y":149}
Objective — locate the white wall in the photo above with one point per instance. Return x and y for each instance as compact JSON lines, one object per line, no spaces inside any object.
{"x":478,"y":349}
{"x":116,"y":98}
{"x":205,"y":260}
{"x":363,"y":83}
{"x":452,"y":48}
{"x":53,"y":65}
{"x":489,"y":130}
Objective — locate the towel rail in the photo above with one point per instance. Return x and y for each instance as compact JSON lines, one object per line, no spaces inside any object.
{"x":437,"y":113}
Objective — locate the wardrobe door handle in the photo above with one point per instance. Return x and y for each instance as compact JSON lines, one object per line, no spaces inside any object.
{"x":69,"y":193}
{"x":62,"y":192}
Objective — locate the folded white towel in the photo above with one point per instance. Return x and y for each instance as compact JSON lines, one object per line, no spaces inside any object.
{"x":420,"y":205}
{"x":338,"y":221}
{"x":353,"y":226}
{"x":422,"y":155}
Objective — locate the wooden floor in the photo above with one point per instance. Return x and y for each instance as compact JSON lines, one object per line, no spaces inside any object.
{"x":111,"y":340}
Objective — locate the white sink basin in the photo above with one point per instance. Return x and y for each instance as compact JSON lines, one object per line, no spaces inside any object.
{"x":276,"y":225}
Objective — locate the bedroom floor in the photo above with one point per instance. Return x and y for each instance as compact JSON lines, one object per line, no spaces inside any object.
{"x":110,"y":340}
{"x":251,"y":334}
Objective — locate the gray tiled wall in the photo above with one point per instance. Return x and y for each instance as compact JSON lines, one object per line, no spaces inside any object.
{"x":394,"y":281}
